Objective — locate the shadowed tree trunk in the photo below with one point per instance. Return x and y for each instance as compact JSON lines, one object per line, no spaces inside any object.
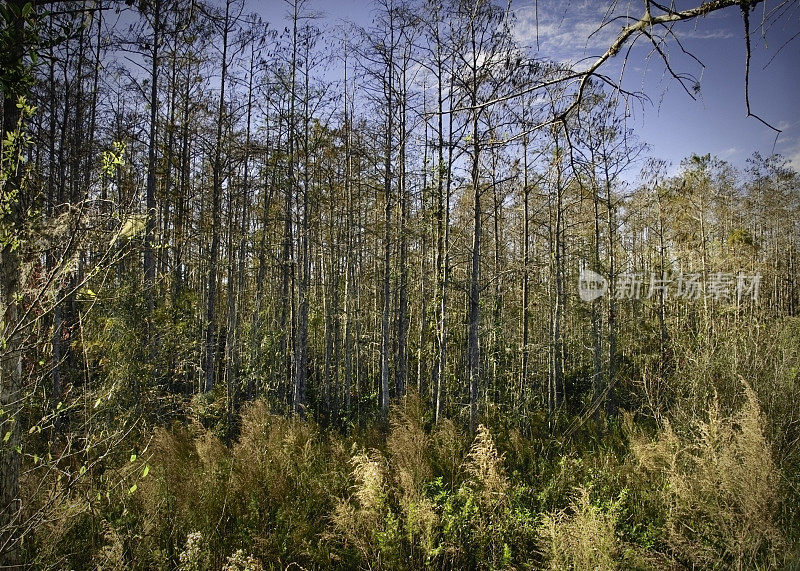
{"x":216,"y":206}
{"x":149,"y":258}
{"x":12,"y":218}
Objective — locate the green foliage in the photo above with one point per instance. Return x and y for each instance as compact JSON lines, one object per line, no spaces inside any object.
{"x":402,"y":516}
{"x":111,"y":159}
{"x":19,"y":33}
{"x":485,"y":522}
{"x":14,"y":172}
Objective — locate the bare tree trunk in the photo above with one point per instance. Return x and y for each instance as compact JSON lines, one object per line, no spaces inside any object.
{"x":555,"y":376}
{"x":612,"y":295}
{"x":255,"y":340}
{"x":216,"y":198}
{"x":304,"y":258}
{"x":288,"y":312}
{"x":348,"y":278}
{"x":423,"y":317}
{"x":402,"y":318}
{"x":55,"y":361}
{"x":237,"y":255}
{"x":438,"y":366}
{"x":387,"y":182}
{"x":526,"y":191}
{"x":443,"y":247}
{"x":597,"y":345}
{"x":10,"y":334}
{"x":473,"y":348}
{"x":662,"y":251}
{"x":180,"y":201}
{"x":167,"y":208}
{"x":230,"y":333}
{"x":149,"y":258}
{"x":497,"y":302}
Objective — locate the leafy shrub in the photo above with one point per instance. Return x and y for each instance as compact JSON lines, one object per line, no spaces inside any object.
{"x":409,"y":447}
{"x":449,"y":448}
{"x":269,"y":496}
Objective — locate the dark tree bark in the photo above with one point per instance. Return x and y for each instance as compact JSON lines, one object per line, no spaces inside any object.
{"x":216,"y":200}
{"x":14,"y":83}
{"x":149,"y":235}
{"x":388,"y":91}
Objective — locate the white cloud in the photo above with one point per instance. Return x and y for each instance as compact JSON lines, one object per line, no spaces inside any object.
{"x":792,"y":154}
{"x":695,"y":34}
{"x":573,"y":30}
{"x":578,"y":29}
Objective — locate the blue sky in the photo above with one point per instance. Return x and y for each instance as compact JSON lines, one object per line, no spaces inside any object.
{"x":672,"y":123}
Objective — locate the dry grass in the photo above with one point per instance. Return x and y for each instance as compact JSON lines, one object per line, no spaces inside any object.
{"x":720,"y":489}
{"x":485,"y":466}
{"x":409,"y":447}
{"x":361,"y":521}
{"x":582,"y":537}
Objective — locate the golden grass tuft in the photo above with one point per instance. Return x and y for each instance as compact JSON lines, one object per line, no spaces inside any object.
{"x":720,"y":488}
{"x":485,"y":466}
{"x":582,"y":537}
{"x":409,"y":447}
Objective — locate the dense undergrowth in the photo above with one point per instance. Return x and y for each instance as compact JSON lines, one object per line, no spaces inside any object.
{"x":711,"y":482}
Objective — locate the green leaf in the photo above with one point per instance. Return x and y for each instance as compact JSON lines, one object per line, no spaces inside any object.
{"x":134,"y":225}
{"x":97,"y":402}
{"x":133,"y":488}
{"x":146,"y":470}
{"x":133,"y":457}
{"x":7,"y":436}
{"x":82,"y":470}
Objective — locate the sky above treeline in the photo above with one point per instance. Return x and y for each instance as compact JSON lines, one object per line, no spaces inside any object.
{"x":672,"y":123}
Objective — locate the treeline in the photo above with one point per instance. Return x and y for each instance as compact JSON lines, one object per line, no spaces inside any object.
{"x":331,"y":245}
{"x":201,"y":210}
